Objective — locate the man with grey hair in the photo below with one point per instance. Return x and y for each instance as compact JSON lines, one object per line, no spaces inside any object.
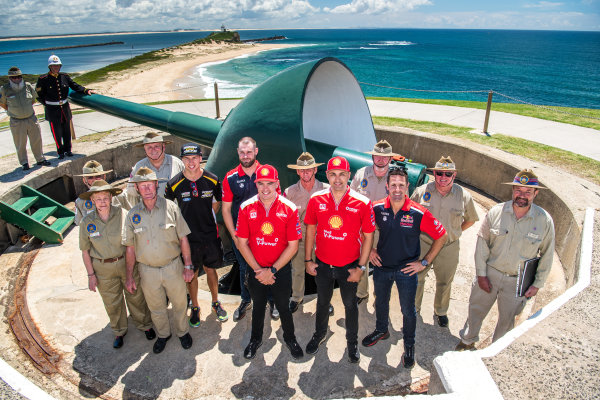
{"x":17,"y":98}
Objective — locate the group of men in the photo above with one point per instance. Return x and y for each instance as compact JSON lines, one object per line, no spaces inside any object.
{"x":328,"y":230}
{"x":17,"y":97}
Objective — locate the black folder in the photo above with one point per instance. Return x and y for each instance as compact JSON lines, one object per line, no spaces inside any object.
{"x":526,"y":275}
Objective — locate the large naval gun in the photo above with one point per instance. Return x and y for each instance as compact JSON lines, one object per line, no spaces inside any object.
{"x":317,"y":106}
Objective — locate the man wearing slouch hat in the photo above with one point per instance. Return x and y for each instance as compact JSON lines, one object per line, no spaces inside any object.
{"x":512,"y":233}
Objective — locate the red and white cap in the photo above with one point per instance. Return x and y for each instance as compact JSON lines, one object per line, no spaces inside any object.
{"x":338,"y":163}
{"x":266,"y":173}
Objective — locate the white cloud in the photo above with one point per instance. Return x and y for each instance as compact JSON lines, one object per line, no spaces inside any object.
{"x":543,"y":5}
{"x":377,"y":6}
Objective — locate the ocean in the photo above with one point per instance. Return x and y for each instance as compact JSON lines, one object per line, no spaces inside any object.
{"x":556,"y":68}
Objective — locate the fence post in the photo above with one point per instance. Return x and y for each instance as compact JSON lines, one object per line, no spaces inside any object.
{"x":217,"y":100}
{"x":487,"y":112}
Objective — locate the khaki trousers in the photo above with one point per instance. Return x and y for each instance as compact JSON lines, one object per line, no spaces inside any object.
{"x":298,"y":273}
{"x":111,"y":286}
{"x":444,"y":267}
{"x":480,"y":303}
{"x":22,"y":129}
{"x":157,"y":284}
{"x":363,"y":285}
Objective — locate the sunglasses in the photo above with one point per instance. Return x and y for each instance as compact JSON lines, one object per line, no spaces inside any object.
{"x":194,"y":189}
{"x":15,"y":78}
{"x":448,"y":174}
{"x":398,"y":167}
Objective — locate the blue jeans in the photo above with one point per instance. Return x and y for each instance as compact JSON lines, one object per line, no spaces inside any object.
{"x":383,"y":279}
{"x":245,"y":294}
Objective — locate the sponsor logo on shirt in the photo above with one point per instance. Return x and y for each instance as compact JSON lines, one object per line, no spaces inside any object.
{"x":267,"y":228}
{"x":185,"y":194}
{"x":207,"y":193}
{"x":261,"y":241}
{"x":322,"y":206}
{"x":354,"y":210}
{"x":282,"y":215}
{"x":335,"y":222}
{"x":252,"y":214}
{"x":331,"y":235}
{"x":406,"y":221}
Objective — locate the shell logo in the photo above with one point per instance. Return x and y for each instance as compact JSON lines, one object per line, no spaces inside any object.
{"x":264,"y":171}
{"x":336,"y":162}
{"x":267,"y":228}
{"x":336,"y":222}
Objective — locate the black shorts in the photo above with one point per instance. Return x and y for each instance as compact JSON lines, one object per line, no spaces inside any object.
{"x":208,"y":253}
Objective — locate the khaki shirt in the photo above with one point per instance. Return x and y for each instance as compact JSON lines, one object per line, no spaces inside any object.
{"x":85,"y":207}
{"x":155,"y":234}
{"x":19,"y":102}
{"x":299,"y":196}
{"x":451,"y":210}
{"x":504,"y":243}
{"x":103,"y":239}
{"x":170,"y":167}
{"x":366,"y":183}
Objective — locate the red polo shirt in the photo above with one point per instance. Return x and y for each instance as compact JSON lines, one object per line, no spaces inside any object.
{"x":339,"y":226}
{"x":268,"y":231}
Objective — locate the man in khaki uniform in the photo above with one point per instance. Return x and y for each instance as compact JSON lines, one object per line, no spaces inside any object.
{"x":370,"y":181}
{"x":17,"y":98}
{"x":511,"y":233}
{"x":104,"y":259}
{"x":454,"y":208}
{"x":155,"y":234}
{"x":299,"y":193}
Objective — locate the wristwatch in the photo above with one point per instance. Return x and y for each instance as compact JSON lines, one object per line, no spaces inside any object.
{"x":273,"y":270}
{"x":424,"y":262}
{"x":362,"y":268}
{"x":190,"y":267}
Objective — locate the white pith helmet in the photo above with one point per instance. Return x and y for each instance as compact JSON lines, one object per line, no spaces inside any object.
{"x":54,"y":60}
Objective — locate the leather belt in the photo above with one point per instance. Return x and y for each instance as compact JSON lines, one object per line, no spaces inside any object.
{"x":57,"y":103}
{"x":110,"y":260}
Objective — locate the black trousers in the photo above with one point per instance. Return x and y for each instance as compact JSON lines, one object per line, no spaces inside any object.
{"x":325,"y":280}
{"x":280,"y":291}
{"x":60,"y":125}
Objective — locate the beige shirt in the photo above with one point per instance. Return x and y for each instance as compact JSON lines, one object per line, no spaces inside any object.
{"x":155,"y":233}
{"x":299,"y":196}
{"x":19,"y":102}
{"x":366,"y":183}
{"x":170,"y":167}
{"x":504,"y":243}
{"x":85,"y":207}
{"x":451,"y":210}
{"x":102,"y":239}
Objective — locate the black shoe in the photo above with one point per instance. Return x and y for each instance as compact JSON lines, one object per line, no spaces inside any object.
{"x":69,"y":154}
{"x":361,"y":299}
{"x":26,"y":167}
{"x":375,"y":337}
{"x":353,"y":354}
{"x":45,"y":163}
{"x":240,"y":312}
{"x":195,"y":317}
{"x":274,"y":312}
{"x":160,"y":344}
{"x":294,"y":305}
{"x":186,"y":341}
{"x":150,"y":334}
{"x":331,"y":310}
{"x":295,"y":349}
{"x":250,"y":351}
{"x":442,"y":320}
{"x":313,"y":345}
{"x":61,"y":156}
{"x":408,"y":358}
{"x":118,"y":343}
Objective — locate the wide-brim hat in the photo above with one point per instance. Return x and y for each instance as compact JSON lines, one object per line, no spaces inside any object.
{"x":444,"y":164}
{"x":305,"y":161}
{"x":382,"y":148}
{"x":143,"y":175}
{"x":266,"y":173}
{"x":526,"y":178}
{"x":14,"y":71}
{"x":152,"y":137}
{"x":93,"y":168}
{"x":100,"y":186}
{"x":338,"y":163}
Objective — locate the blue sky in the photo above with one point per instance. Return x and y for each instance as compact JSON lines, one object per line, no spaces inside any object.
{"x":34,"y":17}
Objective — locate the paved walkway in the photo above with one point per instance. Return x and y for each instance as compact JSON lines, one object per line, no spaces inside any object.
{"x":584,"y":141}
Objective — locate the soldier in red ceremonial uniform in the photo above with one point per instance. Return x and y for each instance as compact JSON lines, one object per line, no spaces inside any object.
{"x":341,"y":222}
{"x":52,"y":90}
{"x":268,"y":230}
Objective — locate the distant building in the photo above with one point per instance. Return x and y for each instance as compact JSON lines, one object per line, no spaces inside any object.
{"x":223,"y":29}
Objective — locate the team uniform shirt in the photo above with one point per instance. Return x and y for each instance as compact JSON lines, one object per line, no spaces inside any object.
{"x":195,"y":199}
{"x":451,"y":210}
{"x":503,"y":242}
{"x":103,"y":239}
{"x":239,"y":187}
{"x":300,"y":196}
{"x":155,"y":234}
{"x":268,"y":230}
{"x":399,"y":234}
{"x":339,"y":226}
{"x":368,"y":184}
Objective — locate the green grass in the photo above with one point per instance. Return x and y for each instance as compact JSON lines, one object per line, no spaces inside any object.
{"x":575,"y":164}
{"x":556,"y":114}
{"x":94,"y":137}
{"x":229,"y":36}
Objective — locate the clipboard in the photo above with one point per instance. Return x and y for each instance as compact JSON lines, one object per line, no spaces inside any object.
{"x":526,"y":276}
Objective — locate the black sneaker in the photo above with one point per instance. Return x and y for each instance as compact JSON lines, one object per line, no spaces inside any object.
{"x":195,"y":317}
{"x":221,"y":313}
{"x":69,"y":154}
{"x":160,"y":344}
{"x":118,"y":343}
{"x":150,"y":334}
{"x":45,"y":163}
{"x":250,"y":351}
{"x":375,"y":337}
{"x":26,"y":167}
{"x":295,"y":349}
{"x":186,"y":341}
{"x":61,"y":156}
{"x":240,"y":312}
{"x":353,"y":354}
{"x":274,"y":312}
{"x":313,"y":345}
{"x":408,"y":358}
{"x":294,"y":305}
{"x":331,"y":310}
{"x":442,"y":320}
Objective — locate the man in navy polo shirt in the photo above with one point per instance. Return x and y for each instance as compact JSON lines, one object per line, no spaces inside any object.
{"x":400,"y":222}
